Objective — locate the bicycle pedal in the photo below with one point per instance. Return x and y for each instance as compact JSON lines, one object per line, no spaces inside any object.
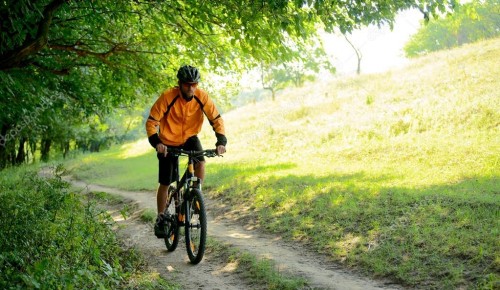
{"x":168,"y":217}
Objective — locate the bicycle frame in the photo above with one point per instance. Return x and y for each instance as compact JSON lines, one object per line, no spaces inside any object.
{"x":182,"y":186}
{"x":186,"y":208}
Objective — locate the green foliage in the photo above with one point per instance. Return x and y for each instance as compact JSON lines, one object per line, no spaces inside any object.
{"x":49,"y":239}
{"x":470,"y":22}
{"x":87,"y":60}
{"x":276,"y":77}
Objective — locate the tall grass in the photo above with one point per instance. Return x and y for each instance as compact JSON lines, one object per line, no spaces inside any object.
{"x":394,"y":174}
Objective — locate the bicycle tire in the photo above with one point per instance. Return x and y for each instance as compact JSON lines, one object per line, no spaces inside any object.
{"x":196,"y":228}
{"x":171,"y":225}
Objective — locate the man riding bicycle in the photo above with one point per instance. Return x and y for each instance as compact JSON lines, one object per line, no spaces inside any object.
{"x":175,"y":120}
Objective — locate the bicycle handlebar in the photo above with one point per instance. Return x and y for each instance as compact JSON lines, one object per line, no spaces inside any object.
{"x":207,"y":153}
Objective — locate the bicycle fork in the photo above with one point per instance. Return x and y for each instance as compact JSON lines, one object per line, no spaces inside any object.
{"x":184,"y":211}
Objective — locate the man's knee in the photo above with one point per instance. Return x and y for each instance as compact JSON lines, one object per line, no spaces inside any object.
{"x":162,"y":188}
{"x":200,"y":165}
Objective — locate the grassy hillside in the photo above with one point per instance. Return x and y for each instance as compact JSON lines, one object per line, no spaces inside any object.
{"x":395,"y":174}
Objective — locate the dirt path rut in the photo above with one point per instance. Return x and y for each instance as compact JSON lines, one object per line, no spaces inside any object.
{"x":213,"y":274}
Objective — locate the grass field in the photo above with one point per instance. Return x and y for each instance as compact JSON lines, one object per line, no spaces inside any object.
{"x":393,"y":174}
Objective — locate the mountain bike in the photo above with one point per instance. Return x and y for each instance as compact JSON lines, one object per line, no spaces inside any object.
{"x":186,"y":208}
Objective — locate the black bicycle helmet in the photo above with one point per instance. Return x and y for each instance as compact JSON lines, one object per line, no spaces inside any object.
{"x":188,"y":74}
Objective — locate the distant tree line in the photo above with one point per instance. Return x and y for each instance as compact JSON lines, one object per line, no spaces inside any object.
{"x":470,"y":22}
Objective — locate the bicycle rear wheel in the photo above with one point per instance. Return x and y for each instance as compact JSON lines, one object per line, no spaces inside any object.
{"x":171,"y":224}
{"x":196,"y":227}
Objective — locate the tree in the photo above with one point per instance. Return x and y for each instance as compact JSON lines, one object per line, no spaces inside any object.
{"x":359,"y":55}
{"x":88,"y":57}
{"x":277,"y":76}
{"x":471,"y":22}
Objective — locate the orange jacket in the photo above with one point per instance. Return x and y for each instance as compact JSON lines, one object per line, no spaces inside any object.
{"x":172,"y":119}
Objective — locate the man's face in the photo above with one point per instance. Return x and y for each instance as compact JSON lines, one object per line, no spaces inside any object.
{"x":188,"y":89}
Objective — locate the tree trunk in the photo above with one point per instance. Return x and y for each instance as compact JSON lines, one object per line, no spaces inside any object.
{"x":273,"y":92}
{"x":262,"y":80}
{"x":358,"y":54}
{"x":3,"y":146}
{"x":21,"y":154}
{"x":45,"y":149}
{"x":32,"y":145}
{"x":95,"y":146}
{"x":65,"y":148}
{"x":3,"y":157}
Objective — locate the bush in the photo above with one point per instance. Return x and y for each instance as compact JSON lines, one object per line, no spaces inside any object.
{"x":49,"y":239}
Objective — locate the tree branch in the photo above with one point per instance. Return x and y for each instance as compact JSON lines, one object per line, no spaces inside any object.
{"x":83,"y":52}
{"x":59,"y":72}
{"x":16,"y":56}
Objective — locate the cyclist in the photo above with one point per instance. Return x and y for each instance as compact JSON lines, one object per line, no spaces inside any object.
{"x":175,"y":120}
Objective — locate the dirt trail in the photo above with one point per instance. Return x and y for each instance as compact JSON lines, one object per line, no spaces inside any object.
{"x":213,"y":274}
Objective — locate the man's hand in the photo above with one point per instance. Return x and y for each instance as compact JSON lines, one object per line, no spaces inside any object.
{"x":221,"y":149}
{"x":162,"y":148}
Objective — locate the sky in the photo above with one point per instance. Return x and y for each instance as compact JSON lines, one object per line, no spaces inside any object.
{"x":381,"y":48}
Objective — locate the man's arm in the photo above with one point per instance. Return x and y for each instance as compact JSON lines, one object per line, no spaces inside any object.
{"x":153,"y":122}
{"x":216,"y":122}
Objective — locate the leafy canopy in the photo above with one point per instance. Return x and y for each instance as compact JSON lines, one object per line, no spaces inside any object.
{"x":87,"y":58}
{"x":61,"y":35}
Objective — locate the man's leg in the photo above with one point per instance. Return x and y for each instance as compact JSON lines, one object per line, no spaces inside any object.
{"x":199,"y":171}
{"x":166,"y":174}
{"x":161,"y":198}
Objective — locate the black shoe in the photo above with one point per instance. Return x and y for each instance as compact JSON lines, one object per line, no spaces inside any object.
{"x":160,"y":227}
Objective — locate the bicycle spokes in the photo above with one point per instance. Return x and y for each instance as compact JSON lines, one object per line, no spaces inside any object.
{"x":171,"y":235}
{"x":171,"y":226}
{"x":196,"y":227}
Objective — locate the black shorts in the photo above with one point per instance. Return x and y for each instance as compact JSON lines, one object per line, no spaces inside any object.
{"x":168,"y":172}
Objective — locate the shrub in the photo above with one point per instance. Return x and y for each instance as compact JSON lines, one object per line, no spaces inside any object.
{"x":49,"y":239}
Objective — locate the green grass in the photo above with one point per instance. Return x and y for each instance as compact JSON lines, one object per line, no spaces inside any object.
{"x":109,"y":167}
{"x":104,"y":197}
{"x":257,"y":271}
{"x":148,"y":215}
{"x":393,"y":174}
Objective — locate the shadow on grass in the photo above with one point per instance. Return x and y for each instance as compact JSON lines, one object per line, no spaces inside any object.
{"x":438,"y":236}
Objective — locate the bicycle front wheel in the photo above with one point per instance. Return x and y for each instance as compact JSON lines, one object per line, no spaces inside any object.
{"x":196,"y":226}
